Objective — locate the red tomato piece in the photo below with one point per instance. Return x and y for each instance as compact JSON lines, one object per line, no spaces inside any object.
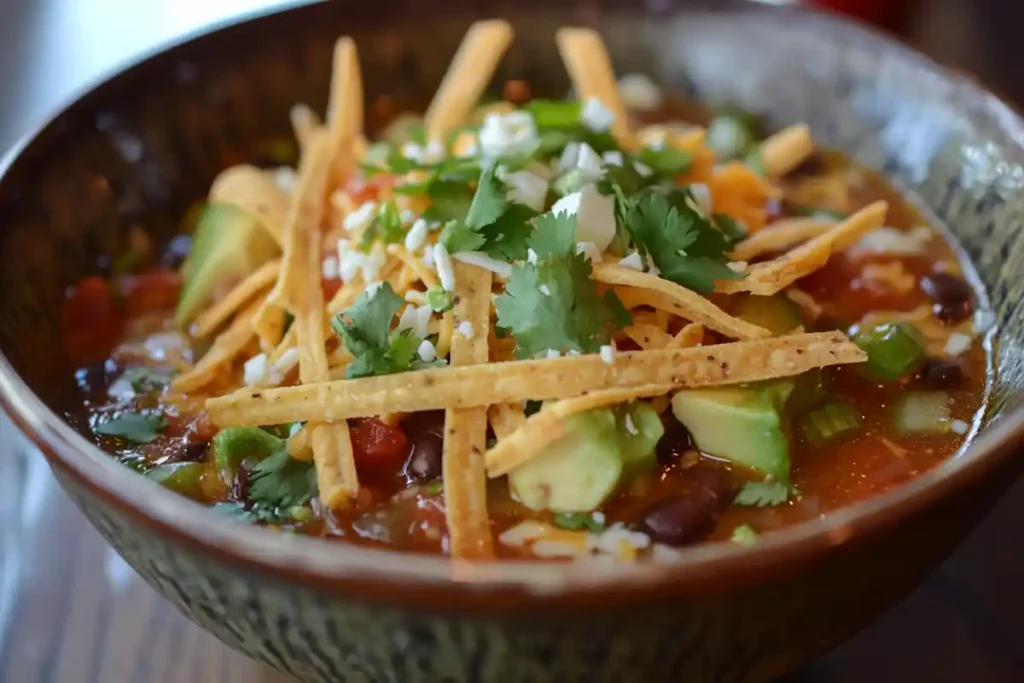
{"x":151,"y":292}
{"x":379,"y":449}
{"x":92,"y":322}
{"x":330,"y":288}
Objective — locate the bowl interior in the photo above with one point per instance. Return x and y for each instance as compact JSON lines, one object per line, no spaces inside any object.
{"x":137,"y":150}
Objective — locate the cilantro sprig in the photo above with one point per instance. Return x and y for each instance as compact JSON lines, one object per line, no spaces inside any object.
{"x":142,"y":378}
{"x":281,"y":481}
{"x":365,"y":329}
{"x":134,"y":427}
{"x":554,"y":303}
{"x":385,"y":226}
{"x":578,"y":521}
{"x":765,"y":493}
{"x":493,"y":223}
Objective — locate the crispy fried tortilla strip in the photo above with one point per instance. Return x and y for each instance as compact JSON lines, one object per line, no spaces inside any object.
{"x":216,"y":315}
{"x":690,"y":335}
{"x":548,"y":425}
{"x":684,"y":302}
{"x":590,"y":69}
{"x":768,"y":277}
{"x":305,"y":122}
{"x":225,"y":349}
{"x":567,"y":377}
{"x":345,"y":106}
{"x":468,"y":75}
{"x":647,"y":335}
{"x":779,"y":236}
{"x":506,"y":418}
{"x":786,"y":150}
{"x":256,"y":192}
{"x":465,"y":429}
{"x":300,"y":446}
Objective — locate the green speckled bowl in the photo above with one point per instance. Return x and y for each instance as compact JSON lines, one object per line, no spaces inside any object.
{"x":138,"y":148}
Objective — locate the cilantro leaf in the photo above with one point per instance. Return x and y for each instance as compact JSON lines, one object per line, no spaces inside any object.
{"x":489,"y":202}
{"x":386,"y":226}
{"x":762,"y":493}
{"x":507,"y":237}
{"x":449,"y":200}
{"x":457,"y":237}
{"x":684,"y":245}
{"x":144,"y":379}
{"x":667,"y":161}
{"x":280,"y":480}
{"x":135,"y":427}
{"x":555,"y":113}
{"x":554,"y":303}
{"x":744,"y":534}
{"x":576,"y":521}
{"x":493,"y":224}
{"x":256,"y":514}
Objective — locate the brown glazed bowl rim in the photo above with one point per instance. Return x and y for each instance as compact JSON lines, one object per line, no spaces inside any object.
{"x":511,"y":586}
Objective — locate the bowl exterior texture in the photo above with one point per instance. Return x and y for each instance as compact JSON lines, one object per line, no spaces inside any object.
{"x":140,"y":148}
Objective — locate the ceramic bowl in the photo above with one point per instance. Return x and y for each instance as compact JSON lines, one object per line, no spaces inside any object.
{"x":137,"y":149}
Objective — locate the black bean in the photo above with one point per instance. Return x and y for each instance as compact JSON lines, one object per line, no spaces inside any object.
{"x":941,"y":373}
{"x":192,"y":451}
{"x":951,"y":294}
{"x":681,"y":520}
{"x":676,"y":440}
{"x":425,"y":461}
{"x":712,"y":484}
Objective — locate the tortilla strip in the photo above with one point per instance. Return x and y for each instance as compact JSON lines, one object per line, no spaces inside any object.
{"x":345,"y":106}
{"x":647,"y":335}
{"x":468,"y":75}
{"x":506,"y":418}
{"x":690,"y":335}
{"x":217,"y":314}
{"x":305,"y":122}
{"x":256,"y":192}
{"x":778,"y":236}
{"x":226,"y":347}
{"x":465,"y":429}
{"x":786,"y":150}
{"x":419,"y":269}
{"x":542,"y":379}
{"x":769,"y":277}
{"x":299,"y":445}
{"x":548,"y":425}
{"x":686,"y":303}
{"x":590,"y":70}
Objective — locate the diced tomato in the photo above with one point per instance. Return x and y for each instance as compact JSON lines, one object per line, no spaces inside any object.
{"x":368,"y":189}
{"x":380,"y":449}
{"x":842,"y":283}
{"x":330,"y":288}
{"x":150,"y":292}
{"x":92,"y":321}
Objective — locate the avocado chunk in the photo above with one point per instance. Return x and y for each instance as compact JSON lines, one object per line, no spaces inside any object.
{"x":229,"y":244}
{"x":234,"y":444}
{"x":640,"y":429}
{"x":743,"y":425}
{"x":775,"y":313}
{"x":577,"y":472}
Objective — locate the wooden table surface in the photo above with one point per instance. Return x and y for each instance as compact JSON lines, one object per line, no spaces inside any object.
{"x":71,"y":611}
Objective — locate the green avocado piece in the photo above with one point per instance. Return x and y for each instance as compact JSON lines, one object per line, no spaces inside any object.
{"x":743,"y":425}
{"x":638,"y":435}
{"x":775,"y":313}
{"x":228,"y":245}
{"x":182,"y":477}
{"x":575,"y":473}
{"x":234,"y":444}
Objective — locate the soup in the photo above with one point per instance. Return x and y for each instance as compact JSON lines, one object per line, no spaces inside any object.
{"x":532,"y":328}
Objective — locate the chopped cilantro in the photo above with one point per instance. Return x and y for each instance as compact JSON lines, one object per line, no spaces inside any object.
{"x":667,"y":161}
{"x":489,"y":202}
{"x":282,"y":481}
{"x":576,"y":521}
{"x":439,"y":300}
{"x":493,"y":224}
{"x":763,"y":494}
{"x":136,"y":427}
{"x":457,"y":237}
{"x":258,"y":513}
{"x":684,"y":245}
{"x":554,"y":304}
{"x":145,"y":379}
{"x":435,"y":487}
{"x":555,"y":113}
{"x":449,"y":200}
{"x":385,"y":226}
{"x":365,"y":329}
{"x":744,"y":534}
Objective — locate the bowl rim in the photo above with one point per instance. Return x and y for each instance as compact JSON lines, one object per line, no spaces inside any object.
{"x":513,"y":585}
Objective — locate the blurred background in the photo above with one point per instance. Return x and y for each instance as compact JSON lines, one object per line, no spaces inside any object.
{"x":71,"y":611}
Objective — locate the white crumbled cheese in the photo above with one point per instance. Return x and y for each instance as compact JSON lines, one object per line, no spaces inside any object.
{"x":651,"y":267}
{"x":702,"y":195}
{"x":412,"y":152}
{"x":526,"y":188}
{"x":612,"y":538}
{"x":590,"y":250}
{"x":407,"y":216}
{"x":567,"y":161}
{"x":588,"y":161}
{"x":630,"y":427}
{"x":737,"y":266}
{"x":361,"y":217}
{"x":595,"y":215}
{"x":465,"y":328}
{"x":573,"y":353}
{"x":958,"y":427}
{"x":639,"y":92}
{"x":545,"y":290}
{"x":520,"y":534}
{"x":642,"y":169}
{"x":508,"y":134}
{"x":608,"y":354}
{"x":983,"y":320}
{"x":373,"y":287}
{"x":121,"y":389}
{"x":957,"y":344}
{"x":531,"y":256}
{"x":287,"y":360}
{"x":596,"y":116}
{"x":664,"y":553}
{"x":417,"y":235}
{"x":428,"y":257}
{"x":256,"y":369}
{"x":598,"y":517}
{"x":426,"y":351}
{"x":549,"y":549}
{"x":329,"y":268}
{"x":886,"y":240}
{"x":553,"y":353}
{"x":481,"y":260}
{"x":285,"y":178}
{"x":433,"y":152}
{"x":445,"y":270}
{"x":633,"y":261}
{"x":613,"y":157}
{"x":415,"y":319}
{"x":159,"y":345}
{"x":352,"y":262}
